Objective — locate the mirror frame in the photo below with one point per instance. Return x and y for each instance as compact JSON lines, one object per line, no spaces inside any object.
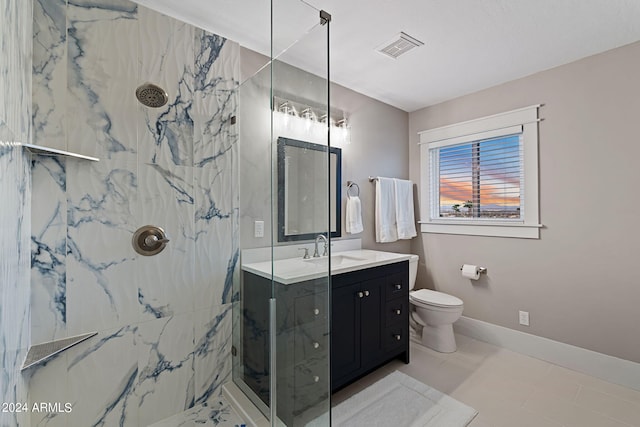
{"x":288,"y":142}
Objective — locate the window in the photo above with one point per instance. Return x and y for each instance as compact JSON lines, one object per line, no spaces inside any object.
{"x":481,"y":177}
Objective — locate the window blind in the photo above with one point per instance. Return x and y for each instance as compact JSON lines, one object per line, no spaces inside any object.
{"x":481,"y":179}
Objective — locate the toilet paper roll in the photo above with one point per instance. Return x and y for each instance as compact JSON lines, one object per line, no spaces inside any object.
{"x":471,"y":271}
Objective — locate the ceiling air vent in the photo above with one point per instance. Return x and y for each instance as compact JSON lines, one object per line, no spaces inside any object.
{"x":402,"y":43}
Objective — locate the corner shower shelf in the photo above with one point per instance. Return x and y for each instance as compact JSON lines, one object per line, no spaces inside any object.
{"x":42,"y":352}
{"x":46,"y":151}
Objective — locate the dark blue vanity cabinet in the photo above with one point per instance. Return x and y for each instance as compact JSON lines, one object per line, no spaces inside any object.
{"x":370,"y":320}
{"x":369,"y":326}
{"x":302,"y":345}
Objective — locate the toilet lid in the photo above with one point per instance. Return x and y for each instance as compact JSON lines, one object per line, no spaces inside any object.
{"x":427,"y":296}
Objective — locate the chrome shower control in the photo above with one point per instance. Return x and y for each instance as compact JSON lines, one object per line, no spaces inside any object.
{"x":149,"y":240}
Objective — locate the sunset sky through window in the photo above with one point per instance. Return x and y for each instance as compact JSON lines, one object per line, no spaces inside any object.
{"x":498,"y":180}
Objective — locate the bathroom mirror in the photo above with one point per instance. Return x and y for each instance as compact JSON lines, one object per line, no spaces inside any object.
{"x":302,"y":189}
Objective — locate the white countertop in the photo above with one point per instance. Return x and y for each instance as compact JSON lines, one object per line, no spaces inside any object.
{"x":294,"y":270}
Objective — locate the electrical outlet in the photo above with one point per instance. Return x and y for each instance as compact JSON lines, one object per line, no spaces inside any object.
{"x":258,"y":229}
{"x":524,"y":318}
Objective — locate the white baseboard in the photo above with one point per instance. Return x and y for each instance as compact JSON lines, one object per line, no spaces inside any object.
{"x":605,"y":367}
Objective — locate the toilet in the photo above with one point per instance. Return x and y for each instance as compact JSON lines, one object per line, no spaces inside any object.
{"x":433,"y":313}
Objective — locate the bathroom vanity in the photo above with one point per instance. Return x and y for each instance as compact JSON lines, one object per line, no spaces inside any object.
{"x":370,"y":319}
{"x":368,"y":314}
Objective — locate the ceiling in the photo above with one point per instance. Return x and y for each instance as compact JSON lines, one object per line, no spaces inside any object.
{"x":469,"y":45}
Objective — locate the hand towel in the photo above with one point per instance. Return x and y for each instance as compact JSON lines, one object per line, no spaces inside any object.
{"x":386,"y":229}
{"x":354,"y":215}
{"x":404,"y":209}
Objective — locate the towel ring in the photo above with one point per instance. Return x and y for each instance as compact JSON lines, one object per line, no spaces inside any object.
{"x":351,"y":184}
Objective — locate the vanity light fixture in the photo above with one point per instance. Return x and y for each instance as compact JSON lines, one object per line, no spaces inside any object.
{"x":305,"y":117}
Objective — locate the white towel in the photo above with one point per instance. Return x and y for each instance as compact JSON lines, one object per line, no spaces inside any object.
{"x":404,"y":209}
{"x":354,"y":215}
{"x":386,"y":229}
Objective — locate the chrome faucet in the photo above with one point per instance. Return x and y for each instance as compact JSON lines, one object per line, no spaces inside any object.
{"x":324,"y":238}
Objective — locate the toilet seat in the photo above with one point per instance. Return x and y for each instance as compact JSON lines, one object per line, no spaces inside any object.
{"x":434,"y":298}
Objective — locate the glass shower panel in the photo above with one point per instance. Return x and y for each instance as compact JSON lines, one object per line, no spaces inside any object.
{"x":281,"y":323}
{"x":302,"y":184}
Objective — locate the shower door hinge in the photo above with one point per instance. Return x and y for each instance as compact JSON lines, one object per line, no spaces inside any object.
{"x":234,"y":351}
{"x":234,"y":120}
{"x":324,"y":17}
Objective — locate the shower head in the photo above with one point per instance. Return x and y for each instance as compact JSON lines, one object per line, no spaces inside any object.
{"x":151,"y":95}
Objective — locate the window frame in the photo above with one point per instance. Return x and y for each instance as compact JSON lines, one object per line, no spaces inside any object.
{"x":502,"y":124}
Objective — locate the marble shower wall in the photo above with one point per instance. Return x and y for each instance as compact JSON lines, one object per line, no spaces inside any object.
{"x":14,"y":278}
{"x":163,"y":322}
{"x":15,"y":188}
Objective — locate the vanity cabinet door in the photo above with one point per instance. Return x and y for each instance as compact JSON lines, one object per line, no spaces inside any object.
{"x":345,"y":331}
{"x":371,"y":319}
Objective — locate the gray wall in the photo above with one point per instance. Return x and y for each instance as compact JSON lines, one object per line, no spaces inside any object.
{"x":578,"y":280}
{"x":379,"y":135}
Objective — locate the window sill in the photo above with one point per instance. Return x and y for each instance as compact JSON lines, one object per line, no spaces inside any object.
{"x":521,"y":231}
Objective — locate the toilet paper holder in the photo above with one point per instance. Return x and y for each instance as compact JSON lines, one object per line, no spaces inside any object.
{"x":481,"y":270}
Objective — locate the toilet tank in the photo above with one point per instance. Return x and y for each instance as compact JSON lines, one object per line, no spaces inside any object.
{"x":413,"y":270}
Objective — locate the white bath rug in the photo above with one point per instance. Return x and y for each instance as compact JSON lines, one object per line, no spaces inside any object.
{"x":398,"y":400}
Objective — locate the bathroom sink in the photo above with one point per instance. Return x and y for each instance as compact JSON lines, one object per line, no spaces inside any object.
{"x":294,"y":270}
{"x":335,"y":260}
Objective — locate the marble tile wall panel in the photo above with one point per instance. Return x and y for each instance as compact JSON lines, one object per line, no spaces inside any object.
{"x":165,"y":383}
{"x":166,"y":59}
{"x":165,"y":164}
{"x":52,"y":383}
{"x":165,"y":282}
{"x":15,"y":187}
{"x":48,"y":249}
{"x":49,"y":73}
{"x":101,"y":60}
{"x":102,"y":197}
{"x":216,"y":174}
{"x":102,"y":375}
{"x":218,"y":253}
{"x":15,"y":70}
{"x":101,"y":288}
{"x":216,"y":80}
{"x":212,"y":354}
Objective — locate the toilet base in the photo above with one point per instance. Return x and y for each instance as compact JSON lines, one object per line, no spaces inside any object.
{"x":439,"y":338}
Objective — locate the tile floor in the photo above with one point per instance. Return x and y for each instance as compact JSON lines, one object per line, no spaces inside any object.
{"x":217,"y":413}
{"x":512,"y":390}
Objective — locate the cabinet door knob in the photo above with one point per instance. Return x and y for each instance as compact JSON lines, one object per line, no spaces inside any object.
{"x":398,"y":286}
{"x":397,"y":337}
{"x":316,"y":311}
{"x":360,"y":294}
{"x":398,"y":311}
{"x":316,"y":379}
{"x":366,"y":293}
{"x":316,"y":345}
